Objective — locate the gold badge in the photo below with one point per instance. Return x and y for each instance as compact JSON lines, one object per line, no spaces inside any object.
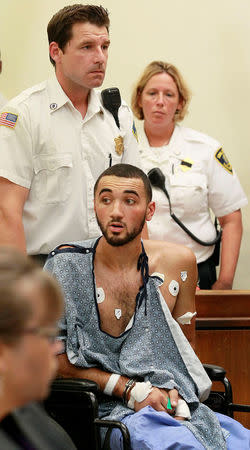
{"x":119,"y":147}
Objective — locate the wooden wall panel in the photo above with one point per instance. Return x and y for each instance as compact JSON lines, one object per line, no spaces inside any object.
{"x":223,"y":338}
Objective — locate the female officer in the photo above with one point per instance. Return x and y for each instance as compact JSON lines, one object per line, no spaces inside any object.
{"x":198,"y":175}
{"x":30,"y":305}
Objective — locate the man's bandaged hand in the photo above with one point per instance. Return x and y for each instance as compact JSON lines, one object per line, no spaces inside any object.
{"x":158,"y":399}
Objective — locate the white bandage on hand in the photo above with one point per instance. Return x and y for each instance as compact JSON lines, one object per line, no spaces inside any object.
{"x":186,"y":318}
{"x":182,"y":409}
{"x":108,"y":390}
{"x":139,"y":392}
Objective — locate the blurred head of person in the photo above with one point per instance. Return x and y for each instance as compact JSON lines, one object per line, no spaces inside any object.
{"x":160,"y":95}
{"x":30,"y":305}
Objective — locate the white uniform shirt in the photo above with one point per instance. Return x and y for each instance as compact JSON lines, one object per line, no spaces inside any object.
{"x":196,"y":180}
{"x":52,"y":151}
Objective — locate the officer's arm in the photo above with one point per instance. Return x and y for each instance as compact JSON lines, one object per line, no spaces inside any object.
{"x":230,"y":248}
{"x":12,"y":199}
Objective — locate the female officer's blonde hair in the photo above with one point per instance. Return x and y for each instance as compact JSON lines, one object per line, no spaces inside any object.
{"x":152,"y":69}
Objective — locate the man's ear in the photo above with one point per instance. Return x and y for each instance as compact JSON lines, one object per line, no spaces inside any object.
{"x":55,"y":51}
{"x":150,"y":211}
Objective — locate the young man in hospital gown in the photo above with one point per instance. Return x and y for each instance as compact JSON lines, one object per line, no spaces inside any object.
{"x":125,"y":303}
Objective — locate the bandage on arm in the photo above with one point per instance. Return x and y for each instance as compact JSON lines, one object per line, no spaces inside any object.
{"x":182,"y":409}
{"x":186,"y":318}
{"x":139,"y":392}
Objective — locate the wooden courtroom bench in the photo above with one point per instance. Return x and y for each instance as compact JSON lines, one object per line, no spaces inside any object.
{"x":223,"y":338}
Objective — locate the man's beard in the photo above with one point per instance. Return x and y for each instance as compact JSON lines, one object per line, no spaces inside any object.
{"x":117,"y":241}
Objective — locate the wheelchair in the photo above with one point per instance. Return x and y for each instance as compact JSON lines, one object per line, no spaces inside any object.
{"x":73,"y":403}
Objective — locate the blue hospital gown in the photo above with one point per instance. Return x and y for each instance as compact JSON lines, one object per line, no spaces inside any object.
{"x":153,"y":348}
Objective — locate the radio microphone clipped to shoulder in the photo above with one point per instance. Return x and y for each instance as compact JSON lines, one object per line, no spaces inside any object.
{"x":111,"y":99}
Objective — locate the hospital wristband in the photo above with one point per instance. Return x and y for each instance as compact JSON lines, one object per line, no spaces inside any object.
{"x":108,"y":390}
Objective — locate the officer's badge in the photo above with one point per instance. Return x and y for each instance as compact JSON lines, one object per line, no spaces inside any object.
{"x":222,"y":159}
{"x":119,"y":146}
{"x":134,"y":131}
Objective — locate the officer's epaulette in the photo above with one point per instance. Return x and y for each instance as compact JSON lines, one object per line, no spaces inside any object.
{"x":70,"y":248}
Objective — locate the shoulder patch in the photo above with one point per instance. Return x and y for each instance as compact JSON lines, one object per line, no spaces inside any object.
{"x":222,"y":159}
{"x":134,"y":131}
{"x":8,"y":119}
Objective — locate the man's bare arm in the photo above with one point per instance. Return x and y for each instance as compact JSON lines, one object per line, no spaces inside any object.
{"x":68,"y":370}
{"x":185,"y":302}
{"x":177,"y":263}
{"x":158,"y":400}
{"x":12,"y":200}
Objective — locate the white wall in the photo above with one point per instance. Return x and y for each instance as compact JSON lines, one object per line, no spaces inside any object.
{"x":208,"y":41}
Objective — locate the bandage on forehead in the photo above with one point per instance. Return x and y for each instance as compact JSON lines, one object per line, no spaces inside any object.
{"x":186,"y":318}
{"x":139,"y":392}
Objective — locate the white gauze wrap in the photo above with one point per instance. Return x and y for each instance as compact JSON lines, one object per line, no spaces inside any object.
{"x":108,"y":390}
{"x":182,"y":409}
{"x":139,"y":392}
{"x":186,"y":318}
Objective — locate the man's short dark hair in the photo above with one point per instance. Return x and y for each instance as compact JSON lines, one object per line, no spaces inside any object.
{"x":60,"y":26}
{"x":127,"y":171}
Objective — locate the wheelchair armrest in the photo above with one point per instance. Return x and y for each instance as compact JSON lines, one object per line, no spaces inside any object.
{"x":239,"y":408}
{"x":72,"y":384}
{"x":76,"y":389}
{"x":215,"y":373}
{"x":111,"y":424}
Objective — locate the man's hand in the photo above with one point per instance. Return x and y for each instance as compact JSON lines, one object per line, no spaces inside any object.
{"x":158,"y":399}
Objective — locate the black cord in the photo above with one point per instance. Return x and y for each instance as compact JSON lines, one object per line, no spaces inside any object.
{"x":157,"y":179}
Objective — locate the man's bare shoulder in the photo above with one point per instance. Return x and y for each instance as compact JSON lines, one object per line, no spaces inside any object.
{"x":175,"y":262}
{"x":168,"y":250}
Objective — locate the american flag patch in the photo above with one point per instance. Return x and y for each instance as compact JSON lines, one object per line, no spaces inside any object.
{"x":8,"y":119}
